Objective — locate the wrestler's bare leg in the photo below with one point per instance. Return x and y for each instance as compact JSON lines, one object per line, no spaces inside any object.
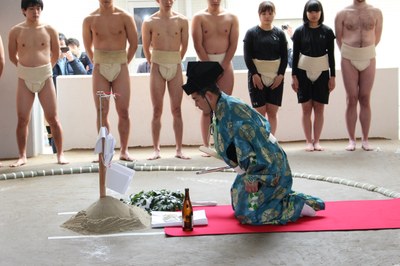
{"x":272,"y":117}
{"x":307,"y":125}
{"x":157,"y":92}
{"x":99,"y":83}
{"x":25,"y":100}
{"x":121,"y":87}
{"x":351,"y":82}
{"x":318,"y":124}
{"x":366,"y":83}
{"x":175,"y":96}
{"x":47,"y":98}
{"x":225,"y":83}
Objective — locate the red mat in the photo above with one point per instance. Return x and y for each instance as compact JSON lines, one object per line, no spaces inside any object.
{"x":338,"y":216}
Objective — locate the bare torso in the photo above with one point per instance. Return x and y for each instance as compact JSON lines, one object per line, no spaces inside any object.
{"x":108,"y":30}
{"x":360,"y":26}
{"x":216,"y":30}
{"x":165,"y":32}
{"x":33,"y":44}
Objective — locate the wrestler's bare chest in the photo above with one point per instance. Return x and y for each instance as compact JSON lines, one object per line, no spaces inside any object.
{"x":33,"y":39}
{"x":357,"y":20}
{"x":216,"y":26}
{"x":108,"y":26}
{"x":166,"y":30}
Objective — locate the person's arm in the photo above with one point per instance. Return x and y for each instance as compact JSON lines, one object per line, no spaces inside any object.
{"x":283,"y":49}
{"x":295,"y":59}
{"x":146,"y":39}
{"x":89,"y":65}
{"x":248,"y":52}
{"x":331,"y":52}
{"x":54,"y":46}
{"x":185,"y":37}
{"x":331,"y":59}
{"x":77,"y":67}
{"x":87,"y":37}
{"x":378,"y":27}
{"x":197,"y":36}
{"x":258,"y":167}
{"x":13,"y":45}
{"x":2,"y":59}
{"x":132,"y":36}
{"x":339,"y":28}
{"x":233,"y":42}
{"x":283,"y":54}
{"x":296,"y":51}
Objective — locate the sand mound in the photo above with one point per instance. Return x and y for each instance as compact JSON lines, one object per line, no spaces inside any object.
{"x":108,"y":215}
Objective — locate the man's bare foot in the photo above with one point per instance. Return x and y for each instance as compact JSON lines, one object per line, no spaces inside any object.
{"x":318,"y":147}
{"x":205,"y":154}
{"x":309,"y":147}
{"x":61,"y":159}
{"x":1,"y":165}
{"x":19,"y":162}
{"x":365,"y":146}
{"x":351,"y":146}
{"x":126,"y":157}
{"x":180,"y":155}
{"x":155,"y":156}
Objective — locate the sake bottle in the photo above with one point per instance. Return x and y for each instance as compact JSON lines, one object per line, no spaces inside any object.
{"x":187,"y":213}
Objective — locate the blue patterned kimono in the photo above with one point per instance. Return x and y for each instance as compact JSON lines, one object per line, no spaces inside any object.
{"x":242,"y":138}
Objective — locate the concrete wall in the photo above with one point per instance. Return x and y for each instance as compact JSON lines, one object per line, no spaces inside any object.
{"x":78,"y":115}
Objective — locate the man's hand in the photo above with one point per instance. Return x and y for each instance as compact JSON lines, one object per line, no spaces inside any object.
{"x":251,"y":187}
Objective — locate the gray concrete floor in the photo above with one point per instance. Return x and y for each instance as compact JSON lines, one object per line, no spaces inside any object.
{"x":32,"y":210}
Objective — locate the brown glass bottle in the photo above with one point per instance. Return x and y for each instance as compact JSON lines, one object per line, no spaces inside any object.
{"x":187,"y":213}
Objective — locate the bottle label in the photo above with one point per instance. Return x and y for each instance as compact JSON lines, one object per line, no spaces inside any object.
{"x":187,"y":223}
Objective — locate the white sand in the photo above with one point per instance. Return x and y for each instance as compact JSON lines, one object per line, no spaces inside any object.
{"x":108,"y":215}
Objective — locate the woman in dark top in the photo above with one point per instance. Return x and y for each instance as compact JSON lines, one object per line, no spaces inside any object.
{"x":266,"y":57}
{"x":313,"y":70}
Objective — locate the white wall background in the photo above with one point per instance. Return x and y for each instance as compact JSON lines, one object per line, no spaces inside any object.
{"x":67,"y":18}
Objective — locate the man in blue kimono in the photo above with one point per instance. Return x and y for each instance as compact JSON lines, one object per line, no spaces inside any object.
{"x":262,"y":191}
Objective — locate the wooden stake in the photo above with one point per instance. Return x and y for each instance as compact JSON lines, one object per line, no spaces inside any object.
{"x":102,"y":167}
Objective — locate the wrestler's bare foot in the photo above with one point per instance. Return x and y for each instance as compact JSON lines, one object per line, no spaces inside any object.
{"x":155,"y":156}
{"x":180,"y":155}
{"x":203,"y":154}
{"x":309,"y":147}
{"x":365,"y":146}
{"x":351,"y":146}
{"x":318,"y":147}
{"x":21,"y":161}
{"x":126,"y":157}
{"x":61,"y":159}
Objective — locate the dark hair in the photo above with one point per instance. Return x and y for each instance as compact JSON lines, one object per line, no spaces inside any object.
{"x":72,"y":41}
{"x":25,"y":4}
{"x":62,"y":37}
{"x":313,"y":5}
{"x":213,"y":88}
{"x":266,"y":6}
